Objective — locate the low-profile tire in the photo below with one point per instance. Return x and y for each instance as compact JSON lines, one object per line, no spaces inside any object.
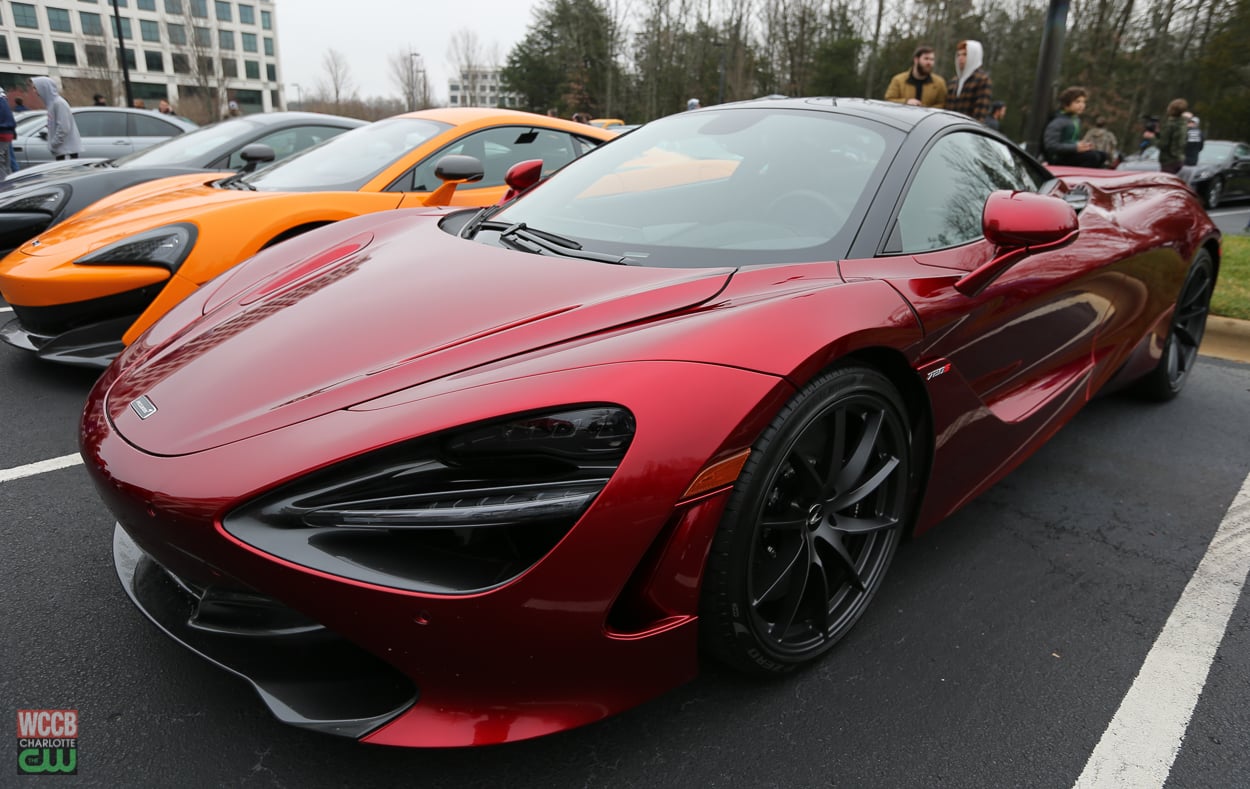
{"x":1189,"y":322}
{"x":811,"y":526}
{"x":1215,"y":193}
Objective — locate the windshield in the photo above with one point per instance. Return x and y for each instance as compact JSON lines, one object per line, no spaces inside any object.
{"x":30,"y":122}
{"x":350,"y":160}
{"x":190,"y":146}
{"x":724,"y":187}
{"x":1214,"y":152}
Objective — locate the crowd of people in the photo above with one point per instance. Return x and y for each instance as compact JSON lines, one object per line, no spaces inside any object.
{"x":1065,"y":141}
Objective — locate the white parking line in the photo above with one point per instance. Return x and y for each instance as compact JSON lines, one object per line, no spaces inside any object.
{"x":6,"y":309}
{"x":1138,"y":748}
{"x":31,"y":469}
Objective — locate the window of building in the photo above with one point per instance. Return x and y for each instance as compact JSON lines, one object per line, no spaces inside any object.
{"x":65,"y":52}
{"x":147,"y":5}
{"x":230,"y":67}
{"x":249,"y":41}
{"x":251,"y":69}
{"x":181,"y":63}
{"x":58,"y":20}
{"x":199,"y":8}
{"x":32,"y":50}
{"x":177,"y":33}
{"x":247,"y":14}
{"x":203,"y":37}
{"x":120,"y":3}
{"x":155,"y":61}
{"x":223,"y":11}
{"x":24,"y":16}
{"x":266,"y":20}
{"x":208,"y":65}
{"x":91,"y":24}
{"x":125,"y":24}
{"x":150,"y":30}
{"x":272,"y":72}
{"x":225,"y":39}
{"x":173,"y":6}
{"x":269,"y":47}
{"x":97,"y":56}
{"x":131,"y":61}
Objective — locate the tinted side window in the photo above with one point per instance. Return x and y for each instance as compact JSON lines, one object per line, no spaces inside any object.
{"x":945,"y":199}
{"x":152,"y":126}
{"x":498,"y":149}
{"x":101,"y":124}
{"x":289,"y":141}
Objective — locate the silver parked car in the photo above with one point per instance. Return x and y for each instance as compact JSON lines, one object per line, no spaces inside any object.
{"x":107,"y":132}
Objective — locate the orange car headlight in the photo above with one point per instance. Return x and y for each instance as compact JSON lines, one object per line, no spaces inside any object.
{"x":165,"y":246}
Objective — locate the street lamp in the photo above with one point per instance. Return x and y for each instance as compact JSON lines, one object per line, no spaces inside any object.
{"x":121,"y":55}
{"x":299,"y":95}
{"x":414,"y":60}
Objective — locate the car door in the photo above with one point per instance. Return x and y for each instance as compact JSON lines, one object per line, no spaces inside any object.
{"x":104,"y":134}
{"x":30,"y":145}
{"x":497,"y":148}
{"x":1017,"y":355}
{"x":146,"y":130}
{"x":1239,"y":183}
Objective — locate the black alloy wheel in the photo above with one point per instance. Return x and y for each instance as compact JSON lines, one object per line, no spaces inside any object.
{"x":812,"y":524}
{"x":1189,"y":322}
{"x":1215,"y":192}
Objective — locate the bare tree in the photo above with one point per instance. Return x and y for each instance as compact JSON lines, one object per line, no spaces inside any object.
{"x":337,"y":86}
{"x":468,"y":66}
{"x":408,"y":73}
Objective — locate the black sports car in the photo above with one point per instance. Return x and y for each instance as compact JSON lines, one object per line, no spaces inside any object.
{"x":32,"y":202}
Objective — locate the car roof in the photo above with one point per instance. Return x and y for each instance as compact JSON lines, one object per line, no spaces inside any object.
{"x":902,"y":116}
{"x":177,"y":120}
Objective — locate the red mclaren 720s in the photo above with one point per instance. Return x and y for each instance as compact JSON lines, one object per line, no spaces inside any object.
{"x":444,"y":477}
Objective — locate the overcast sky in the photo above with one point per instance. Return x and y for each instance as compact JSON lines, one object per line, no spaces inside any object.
{"x":368,"y":32}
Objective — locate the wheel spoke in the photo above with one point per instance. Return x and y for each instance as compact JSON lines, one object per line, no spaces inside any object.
{"x":869,"y":485}
{"x":786,"y":521}
{"x":837,"y":448}
{"x":1186,"y":337}
{"x":794,"y":594}
{"x":829,"y":536}
{"x":805,"y":469}
{"x":858,"y":461}
{"x":778,"y":570}
{"x":864,"y":525}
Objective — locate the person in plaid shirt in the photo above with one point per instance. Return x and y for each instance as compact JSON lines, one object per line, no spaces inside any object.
{"x":970,"y":91}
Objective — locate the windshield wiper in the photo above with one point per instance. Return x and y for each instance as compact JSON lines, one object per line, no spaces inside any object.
{"x":540,"y":242}
{"x":235,"y":182}
{"x":475,"y":223}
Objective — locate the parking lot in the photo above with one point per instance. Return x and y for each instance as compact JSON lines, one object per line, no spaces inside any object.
{"x":998,"y":652}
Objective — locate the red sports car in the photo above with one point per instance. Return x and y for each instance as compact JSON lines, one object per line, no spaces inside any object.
{"x":445,"y":477}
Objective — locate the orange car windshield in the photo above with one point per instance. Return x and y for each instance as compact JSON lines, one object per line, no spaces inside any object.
{"x":349,"y":161}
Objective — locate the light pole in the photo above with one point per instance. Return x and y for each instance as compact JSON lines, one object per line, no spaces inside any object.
{"x":414,"y":61}
{"x":121,"y":55}
{"x":299,"y":95}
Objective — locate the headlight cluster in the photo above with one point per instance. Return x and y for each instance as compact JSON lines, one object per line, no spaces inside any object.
{"x":454,"y":513}
{"x":45,"y":201}
{"x":165,"y":246}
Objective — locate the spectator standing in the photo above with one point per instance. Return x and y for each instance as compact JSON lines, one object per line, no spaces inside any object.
{"x":693,"y":104}
{"x":970,"y":91}
{"x":1193,"y":140}
{"x":1103,"y":139}
{"x":98,"y":100}
{"x":19,"y":106}
{"x":1150,"y":130}
{"x":997,"y":110}
{"x":1061,"y":141}
{"x":164,"y":108}
{"x":63,"y":139}
{"x":8,"y":133}
{"x":1171,"y":138}
{"x":918,"y":86}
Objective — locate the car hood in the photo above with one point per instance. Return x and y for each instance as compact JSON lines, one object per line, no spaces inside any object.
{"x":398,"y":303}
{"x":152,"y":204}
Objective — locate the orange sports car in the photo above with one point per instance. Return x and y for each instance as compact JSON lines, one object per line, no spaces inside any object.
{"x":89,"y":286}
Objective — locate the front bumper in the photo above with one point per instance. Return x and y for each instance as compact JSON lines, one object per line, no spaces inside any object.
{"x":306,"y":675}
{"x":93,"y":346}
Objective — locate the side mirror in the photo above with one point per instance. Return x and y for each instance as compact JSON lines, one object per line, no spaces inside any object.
{"x":521,"y":176}
{"x":43,"y":134}
{"x":454,"y":169}
{"x":255,"y":155}
{"x":1020,"y":224}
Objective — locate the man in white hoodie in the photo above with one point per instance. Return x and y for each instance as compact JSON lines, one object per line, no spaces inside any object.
{"x":970,"y":90}
{"x":63,"y":139}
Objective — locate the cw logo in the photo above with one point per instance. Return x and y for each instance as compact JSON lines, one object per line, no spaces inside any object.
{"x":48,"y":760}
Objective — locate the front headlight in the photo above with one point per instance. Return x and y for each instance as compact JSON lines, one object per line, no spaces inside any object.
{"x":1202,"y":175}
{"x":165,"y":246}
{"x":45,"y":201}
{"x":454,"y":513}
